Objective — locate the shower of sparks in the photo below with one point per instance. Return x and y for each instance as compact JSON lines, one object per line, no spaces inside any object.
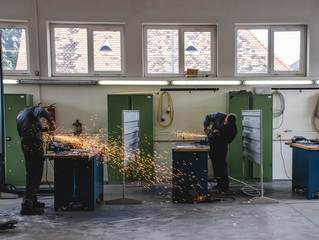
{"x":189,"y":135}
{"x":142,"y":166}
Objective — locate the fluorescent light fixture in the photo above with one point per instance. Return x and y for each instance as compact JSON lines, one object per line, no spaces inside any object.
{"x":208,"y":83}
{"x":10,"y":81}
{"x":59,"y":82}
{"x":132,"y":82}
{"x":278,"y":82}
{"x":316,"y":81}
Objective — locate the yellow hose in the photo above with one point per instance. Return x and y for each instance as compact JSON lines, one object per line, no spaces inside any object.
{"x":160,"y":111}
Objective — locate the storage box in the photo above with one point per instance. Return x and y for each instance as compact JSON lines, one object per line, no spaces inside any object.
{"x":192,"y":72}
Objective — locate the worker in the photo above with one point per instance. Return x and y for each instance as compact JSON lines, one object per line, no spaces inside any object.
{"x":222,"y":132}
{"x":30,"y":130}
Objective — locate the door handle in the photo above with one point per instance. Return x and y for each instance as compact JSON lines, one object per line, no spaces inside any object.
{"x":8,"y":138}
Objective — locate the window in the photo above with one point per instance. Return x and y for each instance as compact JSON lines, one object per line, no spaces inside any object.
{"x":89,"y":50}
{"x":271,"y":50}
{"x":15,"y":54}
{"x":171,"y":50}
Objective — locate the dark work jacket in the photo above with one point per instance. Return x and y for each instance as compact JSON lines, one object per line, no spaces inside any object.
{"x":227,"y":133}
{"x":29,"y":123}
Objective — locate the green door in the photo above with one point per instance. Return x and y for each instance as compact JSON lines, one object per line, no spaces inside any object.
{"x":236,"y":103}
{"x":145,"y":168}
{"x":14,"y":158}
{"x":265,"y":103}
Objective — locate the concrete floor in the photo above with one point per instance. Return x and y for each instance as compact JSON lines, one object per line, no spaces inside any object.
{"x":294,"y":217}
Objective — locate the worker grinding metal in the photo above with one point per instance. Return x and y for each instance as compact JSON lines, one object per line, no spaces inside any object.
{"x":223,"y":132}
{"x":30,"y":131}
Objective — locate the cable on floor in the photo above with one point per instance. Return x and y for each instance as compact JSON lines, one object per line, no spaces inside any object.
{"x":247,"y":189}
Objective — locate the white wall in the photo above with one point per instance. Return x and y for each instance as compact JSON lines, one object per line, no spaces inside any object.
{"x":83,"y":102}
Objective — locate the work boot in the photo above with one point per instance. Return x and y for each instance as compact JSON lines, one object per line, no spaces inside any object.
{"x":28,"y":208}
{"x":38,"y":204}
{"x":31,"y":211}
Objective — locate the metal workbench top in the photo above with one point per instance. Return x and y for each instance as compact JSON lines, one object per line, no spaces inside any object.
{"x":311,"y":147}
{"x":186,"y":147}
{"x":73,"y":153}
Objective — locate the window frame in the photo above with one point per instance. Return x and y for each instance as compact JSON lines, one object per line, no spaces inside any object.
{"x":271,"y":30}
{"x":19,"y":25}
{"x":90,"y":48}
{"x":182,"y":28}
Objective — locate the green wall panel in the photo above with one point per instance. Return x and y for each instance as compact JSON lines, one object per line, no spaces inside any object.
{"x":14,"y":158}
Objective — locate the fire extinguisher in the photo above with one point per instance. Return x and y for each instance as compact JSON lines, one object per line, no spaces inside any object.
{"x":51,"y":110}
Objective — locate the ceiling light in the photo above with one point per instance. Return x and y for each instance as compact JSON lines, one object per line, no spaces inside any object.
{"x":207,"y":83}
{"x":106,"y":47}
{"x":10,"y":81}
{"x":190,"y":47}
{"x":132,"y":82}
{"x":278,"y":82}
{"x":59,"y":82}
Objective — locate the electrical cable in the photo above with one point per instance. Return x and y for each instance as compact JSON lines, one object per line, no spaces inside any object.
{"x":280,"y":111}
{"x":169,"y":111}
{"x":282,"y":120}
{"x":247,"y":189}
{"x":283,"y":160}
{"x":316,"y":116}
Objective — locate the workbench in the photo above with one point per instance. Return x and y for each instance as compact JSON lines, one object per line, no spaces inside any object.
{"x":190,"y":171}
{"x":78,"y":179}
{"x":305,"y":167}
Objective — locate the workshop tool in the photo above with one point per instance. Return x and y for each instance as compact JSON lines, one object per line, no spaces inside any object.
{"x":8,"y":224}
{"x":207,"y":140}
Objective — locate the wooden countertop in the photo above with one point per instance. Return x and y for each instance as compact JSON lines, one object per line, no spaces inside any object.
{"x":311,"y":147}
{"x":73,"y":153}
{"x":190,"y":147}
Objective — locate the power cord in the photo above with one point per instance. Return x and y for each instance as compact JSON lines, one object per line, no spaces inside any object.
{"x":316,"y":116}
{"x":279,"y":112}
{"x":169,"y":110}
{"x":282,"y":158}
{"x":247,"y":189}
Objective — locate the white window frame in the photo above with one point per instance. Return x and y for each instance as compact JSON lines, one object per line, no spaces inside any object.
{"x":20,"y":25}
{"x":90,"y":28}
{"x":271,"y":30}
{"x":181,"y":29}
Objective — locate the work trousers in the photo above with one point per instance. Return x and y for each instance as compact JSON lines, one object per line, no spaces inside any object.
{"x":33,"y":154}
{"x":217,"y":154}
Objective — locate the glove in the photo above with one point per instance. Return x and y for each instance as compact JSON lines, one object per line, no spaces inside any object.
{"x":216,"y":133}
{"x":205,"y":128}
{"x":52,"y":126}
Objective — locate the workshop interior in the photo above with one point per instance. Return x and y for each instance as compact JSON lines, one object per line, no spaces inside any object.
{"x":129,"y":84}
